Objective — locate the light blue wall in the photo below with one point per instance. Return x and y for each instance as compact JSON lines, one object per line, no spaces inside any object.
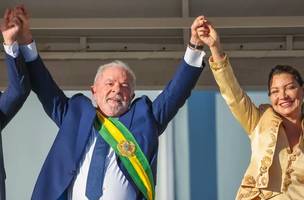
{"x":219,"y":147}
{"x":26,"y":141}
{"x":202,"y":143}
{"x":233,"y":147}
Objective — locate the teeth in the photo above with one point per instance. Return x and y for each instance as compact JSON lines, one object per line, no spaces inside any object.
{"x":285,"y":104}
{"x":114,"y":101}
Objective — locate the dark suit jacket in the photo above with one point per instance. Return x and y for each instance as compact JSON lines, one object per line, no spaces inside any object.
{"x":75,"y":116}
{"x":11,"y":101}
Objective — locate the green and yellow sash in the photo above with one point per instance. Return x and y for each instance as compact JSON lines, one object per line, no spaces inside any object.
{"x":129,"y":152}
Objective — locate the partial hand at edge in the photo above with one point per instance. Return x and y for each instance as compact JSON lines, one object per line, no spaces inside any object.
{"x":10,"y":27}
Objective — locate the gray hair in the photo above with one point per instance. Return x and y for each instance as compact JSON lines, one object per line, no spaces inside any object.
{"x":117,"y":63}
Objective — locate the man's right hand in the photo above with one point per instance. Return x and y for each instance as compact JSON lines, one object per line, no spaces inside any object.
{"x":208,"y":35}
{"x":10,"y":27}
{"x":197,"y":23}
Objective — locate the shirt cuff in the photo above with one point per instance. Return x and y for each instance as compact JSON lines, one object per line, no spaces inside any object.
{"x":12,"y":50}
{"x":194,"y":57}
{"x":29,"y":51}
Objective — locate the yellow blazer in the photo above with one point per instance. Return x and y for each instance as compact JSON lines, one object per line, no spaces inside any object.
{"x":262,"y":125}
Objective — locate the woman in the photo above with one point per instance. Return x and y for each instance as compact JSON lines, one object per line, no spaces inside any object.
{"x":276,"y":169}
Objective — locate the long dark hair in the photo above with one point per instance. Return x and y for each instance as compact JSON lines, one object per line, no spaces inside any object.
{"x":284,"y":69}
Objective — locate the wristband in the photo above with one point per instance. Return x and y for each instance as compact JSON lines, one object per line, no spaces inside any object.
{"x":195,"y":46}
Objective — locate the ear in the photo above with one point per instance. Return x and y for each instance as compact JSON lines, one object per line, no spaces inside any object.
{"x":93,"y":89}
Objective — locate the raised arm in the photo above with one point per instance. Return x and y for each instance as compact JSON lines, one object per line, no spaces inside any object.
{"x":239,"y":103}
{"x":18,"y":88}
{"x":50,"y":95}
{"x":179,"y":88}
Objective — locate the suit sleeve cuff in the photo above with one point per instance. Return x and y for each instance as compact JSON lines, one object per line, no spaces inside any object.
{"x":12,"y":50}
{"x":29,"y":51}
{"x":194,"y":57}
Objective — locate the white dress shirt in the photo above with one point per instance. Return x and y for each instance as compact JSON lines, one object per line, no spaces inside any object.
{"x":114,"y":179}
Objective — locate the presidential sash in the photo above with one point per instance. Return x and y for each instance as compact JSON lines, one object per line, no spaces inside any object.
{"x":129,"y":152}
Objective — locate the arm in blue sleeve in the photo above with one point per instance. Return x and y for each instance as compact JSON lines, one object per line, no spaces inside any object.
{"x":175,"y":94}
{"x":52,"y":98}
{"x":18,"y":89}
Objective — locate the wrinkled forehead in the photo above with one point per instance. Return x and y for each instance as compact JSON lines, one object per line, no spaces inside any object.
{"x":114,"y":72}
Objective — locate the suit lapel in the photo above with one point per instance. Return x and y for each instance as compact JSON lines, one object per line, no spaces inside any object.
{"x":127,"y":118}
{"x":85,"y":131}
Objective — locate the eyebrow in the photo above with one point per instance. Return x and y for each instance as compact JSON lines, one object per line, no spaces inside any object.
{"x":284,"y":85}
{"x":108,"y":79}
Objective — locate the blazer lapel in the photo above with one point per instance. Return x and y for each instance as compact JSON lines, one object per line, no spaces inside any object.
{"x":85,"y":130}
{"x":127,"y":118}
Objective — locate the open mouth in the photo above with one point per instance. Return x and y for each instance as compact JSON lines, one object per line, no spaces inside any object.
{"x":114,"y":101}
{"x":286,"y":104}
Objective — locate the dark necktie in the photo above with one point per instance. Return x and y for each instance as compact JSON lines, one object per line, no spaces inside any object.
{"x":96,"y":170}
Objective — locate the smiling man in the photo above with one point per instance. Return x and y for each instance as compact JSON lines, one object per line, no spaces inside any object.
{"x":118,"y":77}
{"x":108,"y":151}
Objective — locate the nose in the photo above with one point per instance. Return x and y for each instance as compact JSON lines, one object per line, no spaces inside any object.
{"x":116,"y":88}
{"x":283,"y":94}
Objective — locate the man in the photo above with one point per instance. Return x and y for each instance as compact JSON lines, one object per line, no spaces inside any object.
{"x":18,"y":88}
{"x":124,"y":133}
